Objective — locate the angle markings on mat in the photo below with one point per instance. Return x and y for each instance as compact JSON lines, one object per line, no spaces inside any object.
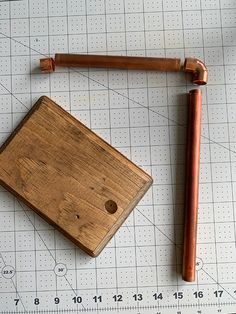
{"x":37,"y":231}
{"x":13,"y":283}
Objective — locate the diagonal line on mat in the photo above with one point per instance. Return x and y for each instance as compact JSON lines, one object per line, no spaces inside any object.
{"x":140,"y":249}
{"x":159,"y":114}
{"x":220,"y":285}
{"x":177,"y":245}
{"x":120,"y":94}
{"x":46,"y":247}
{"x":17,"y":292}
{"x":14,"y":96}
{"x":26,"y":46}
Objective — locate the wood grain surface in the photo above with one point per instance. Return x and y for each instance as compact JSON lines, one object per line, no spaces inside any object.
{"x":69,"y":176}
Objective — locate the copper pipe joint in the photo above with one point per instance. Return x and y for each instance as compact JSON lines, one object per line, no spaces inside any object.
{"x":47,"y":65}
{"x":192,"y":184}
{"x":195,"y":66}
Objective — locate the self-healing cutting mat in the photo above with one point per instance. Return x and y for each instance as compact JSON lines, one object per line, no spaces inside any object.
{"x":70,"y":176}
{"x":143,"y":115}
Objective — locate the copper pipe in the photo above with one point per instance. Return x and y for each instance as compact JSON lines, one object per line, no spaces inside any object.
{"x":115,"y":62}
{"x":192,"y":184}
{"x":195,"y":66}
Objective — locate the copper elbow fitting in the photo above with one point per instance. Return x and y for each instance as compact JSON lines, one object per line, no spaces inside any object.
{"x":198,"y":69}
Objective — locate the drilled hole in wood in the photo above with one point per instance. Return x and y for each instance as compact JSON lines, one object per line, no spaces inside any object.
{"x":77,"y":216}
{"x":111,"y":206}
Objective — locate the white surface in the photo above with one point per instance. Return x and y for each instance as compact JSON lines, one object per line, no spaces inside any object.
{"x":138,"y":113}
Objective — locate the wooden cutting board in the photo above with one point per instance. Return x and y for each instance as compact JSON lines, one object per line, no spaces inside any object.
{"x":69,"y":176}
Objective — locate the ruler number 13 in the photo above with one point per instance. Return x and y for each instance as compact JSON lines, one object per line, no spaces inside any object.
{"x":138,"y":297}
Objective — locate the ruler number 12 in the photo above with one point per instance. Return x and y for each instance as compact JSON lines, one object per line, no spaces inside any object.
{"x":118,"y":298}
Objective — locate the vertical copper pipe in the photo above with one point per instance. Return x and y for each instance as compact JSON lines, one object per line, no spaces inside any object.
{"x":192,"y":183}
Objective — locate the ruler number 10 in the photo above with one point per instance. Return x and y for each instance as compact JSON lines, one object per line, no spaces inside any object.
{"x":77,"y":299}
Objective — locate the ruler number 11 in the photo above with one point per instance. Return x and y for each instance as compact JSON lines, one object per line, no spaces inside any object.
{"x":97,"y":298}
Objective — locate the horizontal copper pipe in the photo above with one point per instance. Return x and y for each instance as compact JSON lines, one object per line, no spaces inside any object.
{"x":195,"y":66}
{"x":116,"y":62}
{"x":192,"y":184}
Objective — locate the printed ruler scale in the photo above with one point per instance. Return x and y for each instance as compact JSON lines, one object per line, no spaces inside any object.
{"x":143,"y":115}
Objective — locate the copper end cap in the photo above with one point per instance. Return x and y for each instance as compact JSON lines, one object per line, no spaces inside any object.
{"x":198,"y":69}
{"x":47,"y":65}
